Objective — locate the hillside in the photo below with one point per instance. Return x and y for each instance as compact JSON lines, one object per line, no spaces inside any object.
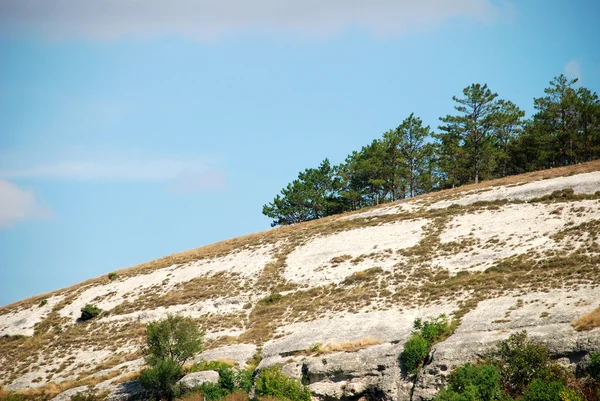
{"x":517,"y":253}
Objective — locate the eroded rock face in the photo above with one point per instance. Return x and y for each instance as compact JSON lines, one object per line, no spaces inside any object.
{"x":373,"y":373}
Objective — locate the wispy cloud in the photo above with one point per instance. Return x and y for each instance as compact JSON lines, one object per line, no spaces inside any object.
{"x":17,"y":203}
{"x":209,"y":19}
{"x":573,"y":69}
{"x":199,"y":173}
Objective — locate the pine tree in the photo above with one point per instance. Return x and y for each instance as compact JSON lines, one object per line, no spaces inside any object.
{"x":475,"y":126}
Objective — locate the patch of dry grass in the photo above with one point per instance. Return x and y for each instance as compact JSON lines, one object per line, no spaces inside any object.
{"x":588,"y":321}
{"x":346,"y":346}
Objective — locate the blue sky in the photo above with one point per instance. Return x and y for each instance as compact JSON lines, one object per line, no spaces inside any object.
{"x":129,"y":133}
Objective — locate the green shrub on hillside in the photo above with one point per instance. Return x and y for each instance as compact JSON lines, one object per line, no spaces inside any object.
{"x":170,"y":342}
{"x":161,"y":378}
{"x":271,"y":382}
{"x":519,"y":368}
{"x":89,"y":311}
{"x":415,"y":351}
{"x":426,"y":334}
{"x":112,"y":276}
{"x":473,"y":383}
{"x":521,"y":360}
{"x":540,"y":390}
{"x":230,"y":380}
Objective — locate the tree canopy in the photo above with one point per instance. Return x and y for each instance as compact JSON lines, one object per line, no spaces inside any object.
{"x":488,"y":137}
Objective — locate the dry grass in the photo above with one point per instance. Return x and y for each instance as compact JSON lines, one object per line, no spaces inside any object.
{"x":588,"y":321}
{"x":347,"y":346}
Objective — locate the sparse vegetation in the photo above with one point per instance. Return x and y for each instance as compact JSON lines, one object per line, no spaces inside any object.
{"x":43,"y":302}
{"x":112,"y":276}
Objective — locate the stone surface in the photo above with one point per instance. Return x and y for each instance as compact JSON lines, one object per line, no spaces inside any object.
{"x":196,"y":379}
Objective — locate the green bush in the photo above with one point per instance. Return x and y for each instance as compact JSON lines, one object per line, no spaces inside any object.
{"x":244,"y":380}
{"x":426,"y":334}
{"x":174,"y":337}
{"x":213,"y":391}
{"x":230,"y":380}
{"x":161,"y":378}
{"x":594,"y":366}
{"x":415,"y":351}
{"x":170,"y":342}
{"x":89,"y":312}
{"x":112,"y":276}
{"x":43,"y":302}
{"x":473,"y":383}
{"x":521,"y":361}
{"x":539,"y":390}
{"x":271,"y":382}
{"x":271,"y":299}
{"x":433,"y":329}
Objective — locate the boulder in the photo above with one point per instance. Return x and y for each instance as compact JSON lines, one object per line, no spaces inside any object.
{"x":196,"y":379}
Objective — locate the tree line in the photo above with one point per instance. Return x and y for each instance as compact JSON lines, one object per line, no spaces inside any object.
{"x":487,"y":137}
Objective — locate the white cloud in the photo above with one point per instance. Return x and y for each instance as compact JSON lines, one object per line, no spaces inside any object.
{"x":210,"y":19}
{"x":179,"y":173}
{"x":573,"y":69}
{"x":17,"y":204}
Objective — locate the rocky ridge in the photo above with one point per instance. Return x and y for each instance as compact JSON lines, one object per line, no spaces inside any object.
{"x":502,"y":256}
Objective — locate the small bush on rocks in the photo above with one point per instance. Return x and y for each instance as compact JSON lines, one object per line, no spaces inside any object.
{"x":426,"y":334}
{"x":89,"y":312}
{"x":271,"y":382}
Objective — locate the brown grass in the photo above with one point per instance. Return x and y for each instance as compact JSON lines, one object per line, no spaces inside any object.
{"x":347,"y":346}
{"x":588,"y":321}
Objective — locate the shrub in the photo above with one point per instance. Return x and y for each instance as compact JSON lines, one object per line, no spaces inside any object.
{"x":43,"y":302}
{"x":420,"y":342}
{"x":213,"y":391}
{"x":415,"y":351}
{"x":244,"y":380}
{"x":521,"y":361}
{"x":89,"y":311}
{"x":174,"y":337}
{"x":539,"y":390}
{"x":568,"y":394}
{"x":473,"y":383}
{"x":161,"y":378}
{"x":271,"y":382}
{"x":433,"y":329}
{"x":112,"y":276}
{"x":271,"y":299}
{"x":170,"y":342}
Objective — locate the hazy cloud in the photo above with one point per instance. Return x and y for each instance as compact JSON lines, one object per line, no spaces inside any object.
{"x":17,"y":204}
{"x":192,"y":173}
{"x":208,"y":181}
{"x":573,"y":69}
{"x":210,"y":19}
